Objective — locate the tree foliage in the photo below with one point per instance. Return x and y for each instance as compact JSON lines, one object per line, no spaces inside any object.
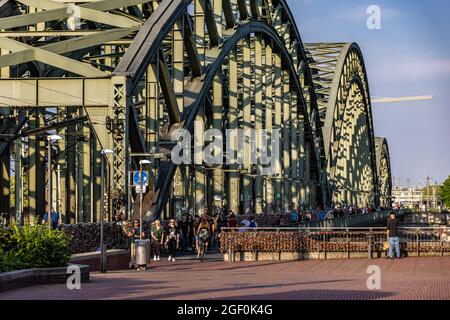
{"x":445,"y":193}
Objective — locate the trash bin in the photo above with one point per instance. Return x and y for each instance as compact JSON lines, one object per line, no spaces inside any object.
{"x":142,"y":248}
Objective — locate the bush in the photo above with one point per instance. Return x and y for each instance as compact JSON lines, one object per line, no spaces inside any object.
{"x":35,"y":247}
{"x":10,"y":262}
{"x":8,"y":239}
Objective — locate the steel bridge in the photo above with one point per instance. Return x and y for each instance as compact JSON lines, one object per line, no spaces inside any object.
{"x":124,"y":74}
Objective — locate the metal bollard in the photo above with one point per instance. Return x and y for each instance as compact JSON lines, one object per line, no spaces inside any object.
{"x":229,"y":251}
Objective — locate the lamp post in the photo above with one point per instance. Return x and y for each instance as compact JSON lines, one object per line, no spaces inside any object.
{"x":102,"y":212}
{"x":50,"y":139}
{"x":141,"y":163}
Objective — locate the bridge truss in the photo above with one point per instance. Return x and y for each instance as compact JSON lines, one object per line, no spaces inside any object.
{"x":125,"y":74}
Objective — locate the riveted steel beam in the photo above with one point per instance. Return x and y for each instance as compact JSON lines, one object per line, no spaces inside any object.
{"x":228,"y":14}
{"x":269,"y":106}
{"x":259,"y":113}
{"x":64,"y":13}
{"x":247,"y":123}
{"x":277,"y":125}
{"x":244,"y":12}
{"x":53,"y":92}
{"x":191,"y":49}
{"x":233,"y":175}
{"x":213,"y":33}
{"x":168,"y":92}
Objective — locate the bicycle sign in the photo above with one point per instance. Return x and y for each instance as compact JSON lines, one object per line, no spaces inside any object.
{"x":137,"y":178}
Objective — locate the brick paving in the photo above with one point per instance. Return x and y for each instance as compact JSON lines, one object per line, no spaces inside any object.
{"x":405,"y":279}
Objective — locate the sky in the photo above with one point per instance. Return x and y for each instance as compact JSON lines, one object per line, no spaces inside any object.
{"x":408,"y":56}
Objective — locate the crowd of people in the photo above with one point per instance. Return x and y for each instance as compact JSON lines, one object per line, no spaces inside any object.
{"x":295,"y":216}
{"x":186,"y":235}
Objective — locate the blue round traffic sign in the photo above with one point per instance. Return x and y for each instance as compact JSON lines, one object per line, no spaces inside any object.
{"x":137,"y":180}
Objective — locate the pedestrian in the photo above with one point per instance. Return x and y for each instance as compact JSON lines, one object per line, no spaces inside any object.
{"x":191,"y":237}
{"x":54,"y":217}
{"x":294,"y":216}
{"x":253,"y":223}
{"x":330,"y":214}
{"x":393,"y":236}
{"x":321,"y":214}
{"x":133,"y":235}
{"x":215,"y":229}
{"x":196,"y":222}
{"x":308,"y":216}
{"x":202,"y":236}
{"x":232,"y":222}
{"x":184,"y":229}
{"x":157,"y":232}
{"x":172,"y":239}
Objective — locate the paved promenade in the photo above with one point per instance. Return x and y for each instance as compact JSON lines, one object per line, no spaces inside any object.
{"x":409,"y":278}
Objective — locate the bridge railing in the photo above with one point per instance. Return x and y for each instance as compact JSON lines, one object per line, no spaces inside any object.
{"x":328,"y":243}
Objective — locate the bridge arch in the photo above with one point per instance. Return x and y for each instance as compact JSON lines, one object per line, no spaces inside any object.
{"x":384,"y":172}
{"x":342,"y":85}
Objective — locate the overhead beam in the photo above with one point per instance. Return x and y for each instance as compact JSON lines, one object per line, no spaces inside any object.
{"x":67,"y":45}
{"x":55,"y":92}
{"x":53,"y":59}
{"x":94,"y":4}
{"x":48,"y":33}
{"x":63,"y":13}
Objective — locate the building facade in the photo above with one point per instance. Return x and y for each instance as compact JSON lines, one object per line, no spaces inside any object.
{"x":417,"y":198}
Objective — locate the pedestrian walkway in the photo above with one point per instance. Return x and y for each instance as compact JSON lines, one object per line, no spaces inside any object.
{"x":409,"y":278}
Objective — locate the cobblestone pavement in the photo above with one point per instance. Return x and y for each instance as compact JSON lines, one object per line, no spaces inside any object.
{"x":409,"y":278}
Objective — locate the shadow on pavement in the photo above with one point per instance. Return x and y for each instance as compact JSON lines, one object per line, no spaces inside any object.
{"x":318,"y":295}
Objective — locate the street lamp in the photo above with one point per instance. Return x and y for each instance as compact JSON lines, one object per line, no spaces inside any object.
{"x":102,"y":212}
{"x":141,"y":163}
{"x":50,"y":139}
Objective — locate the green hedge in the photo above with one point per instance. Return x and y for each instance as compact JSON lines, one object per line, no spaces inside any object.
{"x":33,"y":247}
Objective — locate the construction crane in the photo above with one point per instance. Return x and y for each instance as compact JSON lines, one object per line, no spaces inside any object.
{"x":401,"y":99}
